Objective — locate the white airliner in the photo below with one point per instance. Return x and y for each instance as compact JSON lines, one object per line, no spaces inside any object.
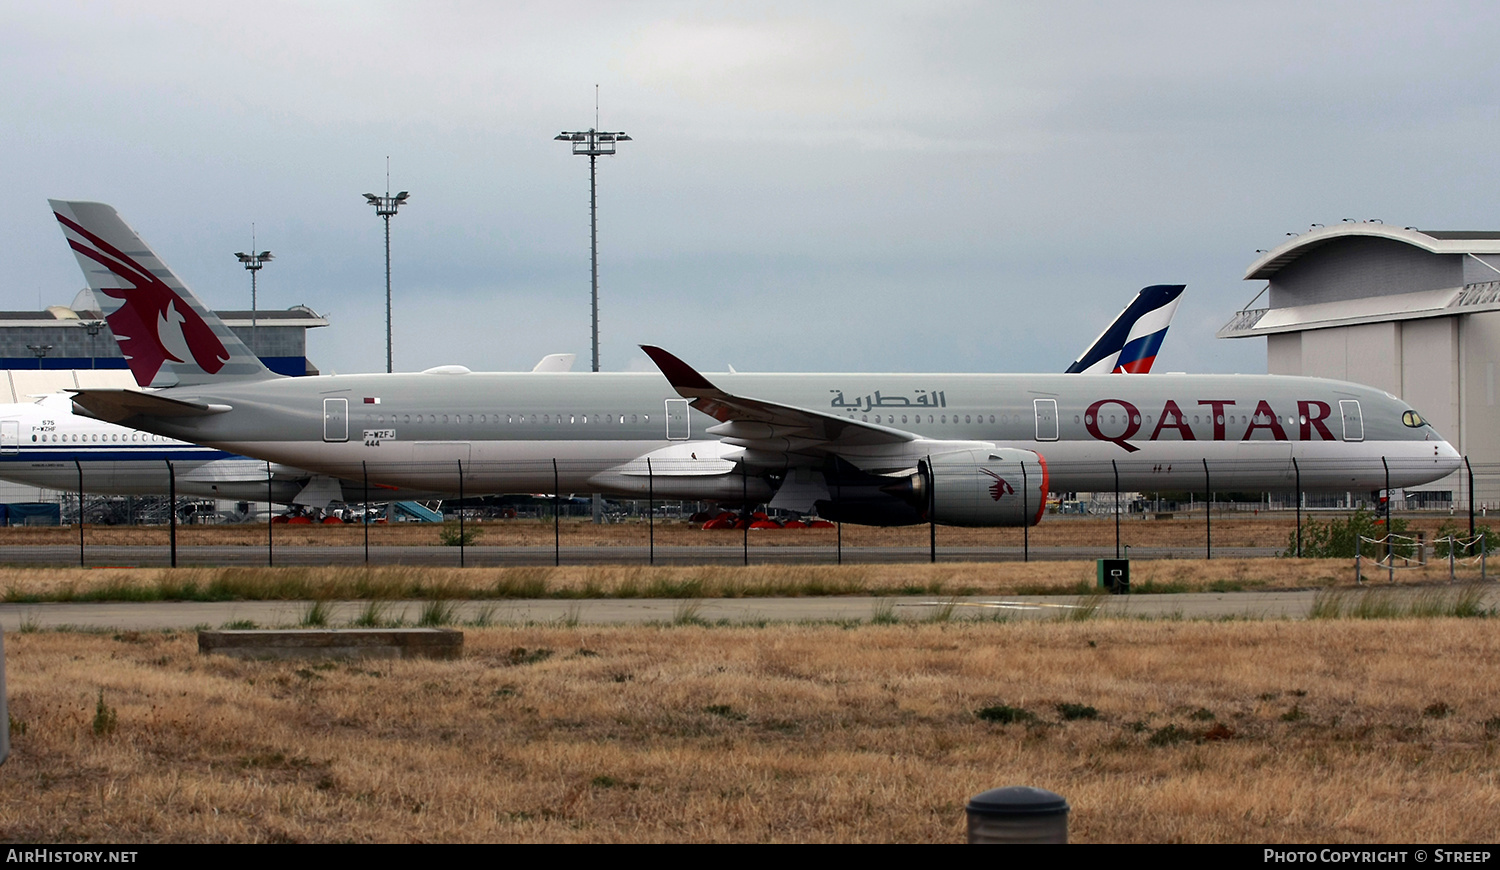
{"x":872,"y":448}
{"x":44,"y":444}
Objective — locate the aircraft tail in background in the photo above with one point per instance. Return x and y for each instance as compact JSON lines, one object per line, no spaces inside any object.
{"x":166,"y":334}
{"x":1130,"y":343}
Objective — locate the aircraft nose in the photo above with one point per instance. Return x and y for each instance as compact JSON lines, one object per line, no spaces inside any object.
{"x":1447,"y":458}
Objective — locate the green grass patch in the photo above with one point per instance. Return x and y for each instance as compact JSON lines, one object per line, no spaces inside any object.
{"x":316,"y":615}
{"x":450,"y":536}
{"x":438,"y":612}
{"x":724,"y":711}
{"x":1004,"y":714}
{"x":522,"y":656}
{"x":1072,"y":712}
{"x":372,"y":615}
{"x":522,"y":583}
{"x":1465,"y":602}
{"x":885,"y":613}
{"x":1170,"y":735}
{"x":105,"y":718}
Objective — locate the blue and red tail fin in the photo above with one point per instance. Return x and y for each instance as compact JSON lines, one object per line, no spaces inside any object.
{"x":1130,"y":344}
{"x":165,"y":333}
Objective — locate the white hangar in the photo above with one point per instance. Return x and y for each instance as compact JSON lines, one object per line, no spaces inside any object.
{"x":1413,"y":312}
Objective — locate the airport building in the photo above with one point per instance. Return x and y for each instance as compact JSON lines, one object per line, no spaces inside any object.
{"x":62,"y":338}
{"x":1413,"y":312}
{"x":71,"y":347}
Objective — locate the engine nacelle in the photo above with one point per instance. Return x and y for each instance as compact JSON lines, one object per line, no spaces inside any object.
{"x":1000,"y":487}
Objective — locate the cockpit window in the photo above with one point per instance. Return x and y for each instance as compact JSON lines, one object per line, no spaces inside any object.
{"x":1413,"y":419}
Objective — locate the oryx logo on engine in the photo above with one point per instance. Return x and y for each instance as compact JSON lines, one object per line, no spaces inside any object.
{"x":1000,"y":487}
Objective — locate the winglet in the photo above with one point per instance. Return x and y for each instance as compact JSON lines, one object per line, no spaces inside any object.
{"x":683,"y":377}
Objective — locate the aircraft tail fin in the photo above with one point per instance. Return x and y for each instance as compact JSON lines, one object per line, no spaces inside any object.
{"x":556,"y":362}
{"x":165,"y":333}
{"x":1130,"y":343}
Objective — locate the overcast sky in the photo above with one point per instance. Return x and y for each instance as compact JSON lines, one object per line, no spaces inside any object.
{"x":840,"y":186}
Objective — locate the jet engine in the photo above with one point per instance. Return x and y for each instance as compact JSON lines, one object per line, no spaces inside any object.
{"x":1000,"y":487}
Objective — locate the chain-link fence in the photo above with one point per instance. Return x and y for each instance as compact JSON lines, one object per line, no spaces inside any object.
{"x":448,"y":485}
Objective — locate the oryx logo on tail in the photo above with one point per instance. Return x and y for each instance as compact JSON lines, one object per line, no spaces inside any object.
{"x":153,"y":324}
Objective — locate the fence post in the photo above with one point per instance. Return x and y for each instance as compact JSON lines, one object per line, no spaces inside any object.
{"x":650,"y":513}
{"x":745,"y":510}
{"x":1359,"y":541}
{"x":1026,"y":515}
{"x":79,"y":466}
{"x":364,"y":467}
{"x":1471,"y":502}
{"x":1452,"y":545}
{"x":1208,"y":512}
{"x":1116,"y":469}
{"x":931,"y":511}
{"x":270,"y":521}
{"x":461,"y":545}
{"x":1390,"y":541}
{"x":1297,"y":470}
{"x":838,"y":529}
{"x":556,"y":517}
{"x":172,"y":511}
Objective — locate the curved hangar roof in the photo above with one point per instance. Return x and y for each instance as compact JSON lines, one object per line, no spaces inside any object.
{"x":1432,"y":241}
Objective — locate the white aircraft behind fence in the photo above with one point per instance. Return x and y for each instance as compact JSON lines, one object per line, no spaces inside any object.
{"x":975,"y":449}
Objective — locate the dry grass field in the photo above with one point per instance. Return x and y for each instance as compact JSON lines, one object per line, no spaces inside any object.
{"x":1230,"y":529}
{"x":1320,"y":731}
{"x":19,"y":585}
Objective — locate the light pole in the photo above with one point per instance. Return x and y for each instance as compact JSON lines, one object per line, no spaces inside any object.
{"x":94,"y":327}
{"x":40,"y":350}
{"x":593,"y":144}
{"x":253,"y":263}
{"x":385,"y":206}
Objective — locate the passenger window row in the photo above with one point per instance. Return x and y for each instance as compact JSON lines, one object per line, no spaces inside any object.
{"x":507,"y":419}
{"x":138,"y":437}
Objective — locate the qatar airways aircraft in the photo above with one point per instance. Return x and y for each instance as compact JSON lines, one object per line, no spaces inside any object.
{"x":978,"y":449}
{"x":44,"y":444}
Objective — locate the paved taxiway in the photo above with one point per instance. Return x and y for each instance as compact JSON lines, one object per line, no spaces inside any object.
{"x":1292,"y":604}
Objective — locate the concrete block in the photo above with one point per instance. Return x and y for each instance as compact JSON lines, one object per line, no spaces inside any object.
{"x":334,"y":643}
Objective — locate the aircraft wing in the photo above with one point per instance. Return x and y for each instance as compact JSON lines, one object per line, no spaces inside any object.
{"x":112,"y":406}
{"x":762,"y":425}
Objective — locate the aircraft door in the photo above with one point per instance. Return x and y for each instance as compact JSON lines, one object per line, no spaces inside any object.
{"x":1046,"y":419}
{"x":678,"y":427}
{"x":10,"y":436}
{"x":335,"y":419}
{"x":1354,"y":424}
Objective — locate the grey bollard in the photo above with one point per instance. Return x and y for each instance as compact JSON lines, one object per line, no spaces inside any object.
{"x":1018,"y":814}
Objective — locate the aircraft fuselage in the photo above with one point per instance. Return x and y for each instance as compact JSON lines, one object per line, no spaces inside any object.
{"x":507,"y":431}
